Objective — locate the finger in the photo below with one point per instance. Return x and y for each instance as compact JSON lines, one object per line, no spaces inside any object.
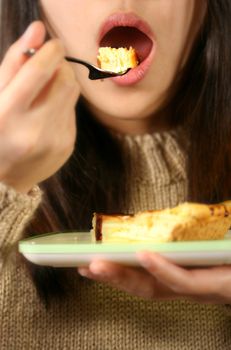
{"x":121,"y":277}
{"x":183,"y":281}
{"x":60,"y":91}
{"x":57,"y":104}
{"x":14,"y":58}
{"x":131,"y":280}
{"x":34,"y":75}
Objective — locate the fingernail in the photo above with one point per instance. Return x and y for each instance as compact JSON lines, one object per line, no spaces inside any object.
{"x":83,"y":271}
{"x":28,"y":32}
{"x":97,"y":268}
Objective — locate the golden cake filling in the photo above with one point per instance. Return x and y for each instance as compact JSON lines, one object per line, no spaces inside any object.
{"x":186,"y":222}
{"x":117,"y":60}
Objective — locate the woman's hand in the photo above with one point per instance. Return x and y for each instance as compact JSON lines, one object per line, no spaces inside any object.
{"x":160,"y":279}
{"x":37,"y":110}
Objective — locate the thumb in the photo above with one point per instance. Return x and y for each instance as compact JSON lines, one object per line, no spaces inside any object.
{"x":14,"y":59}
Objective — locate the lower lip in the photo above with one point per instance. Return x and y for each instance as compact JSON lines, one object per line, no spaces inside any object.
{"x":135,"y":75}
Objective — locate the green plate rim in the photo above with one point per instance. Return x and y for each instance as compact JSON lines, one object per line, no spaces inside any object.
{"x":30,"y":246}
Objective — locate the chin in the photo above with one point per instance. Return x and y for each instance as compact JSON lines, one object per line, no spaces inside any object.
{"x":124,"y":111}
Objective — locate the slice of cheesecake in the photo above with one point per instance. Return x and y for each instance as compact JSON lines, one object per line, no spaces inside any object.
{"x":186,"y":222}
{"x":117,"y":60}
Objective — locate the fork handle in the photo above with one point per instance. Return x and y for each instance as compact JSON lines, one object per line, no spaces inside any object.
{"x":30,"y":52}
{"x":77,"y":60}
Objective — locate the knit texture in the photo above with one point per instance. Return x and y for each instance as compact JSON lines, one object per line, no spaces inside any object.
{"x":95,"y":316}
{"x":156,"y":171}
{"x":15,"y":211}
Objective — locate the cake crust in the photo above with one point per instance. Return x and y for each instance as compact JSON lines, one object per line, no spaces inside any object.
{"x":185,"y":222}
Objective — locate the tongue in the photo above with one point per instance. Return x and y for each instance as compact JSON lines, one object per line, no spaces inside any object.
{"x":126,"y":37}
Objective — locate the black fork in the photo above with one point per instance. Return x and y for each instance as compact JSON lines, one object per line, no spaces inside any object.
{"x":95,"y":73}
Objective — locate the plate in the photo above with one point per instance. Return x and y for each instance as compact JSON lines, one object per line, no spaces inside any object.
{"x":72,"y":249}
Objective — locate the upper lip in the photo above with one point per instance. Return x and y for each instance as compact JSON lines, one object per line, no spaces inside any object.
{"x":124,"y":20}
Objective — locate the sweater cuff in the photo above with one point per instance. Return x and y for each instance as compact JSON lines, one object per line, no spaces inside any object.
{"x":16,"y":209}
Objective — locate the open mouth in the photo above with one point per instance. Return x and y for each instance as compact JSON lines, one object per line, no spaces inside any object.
{"x":129,"y":30}
{"x":125,"y":36}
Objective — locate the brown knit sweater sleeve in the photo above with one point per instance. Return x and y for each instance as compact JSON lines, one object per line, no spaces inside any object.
{"x":16,"y":209}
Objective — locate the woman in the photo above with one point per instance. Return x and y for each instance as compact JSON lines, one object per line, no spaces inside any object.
{"x":153,"y":141}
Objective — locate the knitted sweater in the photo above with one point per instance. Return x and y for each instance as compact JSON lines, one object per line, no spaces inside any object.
{"x":95,"y":316}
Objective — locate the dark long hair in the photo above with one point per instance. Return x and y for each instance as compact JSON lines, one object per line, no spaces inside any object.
{"x":93,"y":178}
